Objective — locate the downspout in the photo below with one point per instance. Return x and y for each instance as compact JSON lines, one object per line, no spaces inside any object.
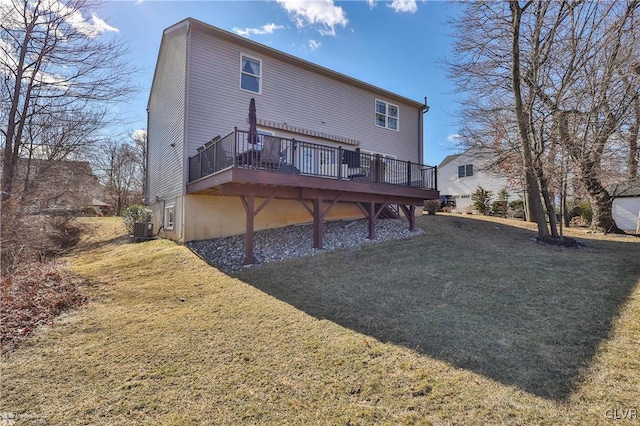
{"x":161,"y":227}
{"x":182,"y":224}
{"x":422,"y":112}
{"x":145,"y":188}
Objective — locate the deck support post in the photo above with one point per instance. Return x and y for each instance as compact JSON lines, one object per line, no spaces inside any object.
{"x":318,"y":218}
{"x":249,"y":203}
{"x":318,"y":222}
{"x":410,"y":213}
{"x":412,"y":218}
{"x":372,"y":220}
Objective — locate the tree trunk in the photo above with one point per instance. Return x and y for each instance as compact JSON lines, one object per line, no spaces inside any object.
{"x":632,"y":161}
{"x":601,"y":201}
{"x":536,"y":210}
{"x":544,"y":189}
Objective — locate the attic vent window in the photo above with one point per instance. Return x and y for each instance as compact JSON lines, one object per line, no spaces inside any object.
{"x":387,"y":115}
{"x":250,"y":74}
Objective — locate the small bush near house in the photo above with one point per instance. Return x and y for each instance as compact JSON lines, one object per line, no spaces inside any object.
{"x":500,"y":206}
{"x":517,"y":209}
{"x":136,"y":213}
{"x":481,"y":199}
{"x":432,"y":206}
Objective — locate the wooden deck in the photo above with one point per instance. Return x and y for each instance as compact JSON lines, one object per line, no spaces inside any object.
{"x":317,"y":193}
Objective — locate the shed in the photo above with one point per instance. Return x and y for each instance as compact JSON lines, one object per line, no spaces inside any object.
{"x":626,"y":208}
{"x":101,"y":207}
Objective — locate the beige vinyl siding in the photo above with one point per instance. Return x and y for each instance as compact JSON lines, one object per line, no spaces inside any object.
{"x":215,"y":101}
{"x":166,"y":123}
{"x":219,"y":216}
{"x":290,"y":94}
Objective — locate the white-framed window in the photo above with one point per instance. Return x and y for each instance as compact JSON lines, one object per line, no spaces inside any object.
{"x":387,"y":115}
{"x":169,"y":217}
{"x":250,"y":74}
{"x":465,"y":171}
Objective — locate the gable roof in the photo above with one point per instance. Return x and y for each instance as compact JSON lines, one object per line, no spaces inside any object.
{"x":285,"y":57}
{"x":475,"y":152}
{"x":97,"y":203}
{"x":630,"y":189}
{"x":448,"y":159}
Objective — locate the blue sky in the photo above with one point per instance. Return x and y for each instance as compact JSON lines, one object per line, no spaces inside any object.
{"x":397,"y":46}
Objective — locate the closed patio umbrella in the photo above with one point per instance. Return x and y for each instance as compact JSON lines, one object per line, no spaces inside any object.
{"x":253,"y":123}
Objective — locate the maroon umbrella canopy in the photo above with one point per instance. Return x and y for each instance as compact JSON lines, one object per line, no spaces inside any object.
{"x":253,"y":123}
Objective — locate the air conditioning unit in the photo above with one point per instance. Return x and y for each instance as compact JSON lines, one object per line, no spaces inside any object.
{"x":143,"y":229}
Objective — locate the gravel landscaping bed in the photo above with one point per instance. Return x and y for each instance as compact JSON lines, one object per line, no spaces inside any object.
{"x":276,"y":245}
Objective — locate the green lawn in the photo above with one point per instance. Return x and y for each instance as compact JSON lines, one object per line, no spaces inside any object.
{"x":468,"y":323}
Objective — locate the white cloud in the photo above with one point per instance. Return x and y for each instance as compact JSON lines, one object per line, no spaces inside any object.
{"x":91,"y":28}
{"x":313,"y":44}
{"x":372,"y":3}
{"x":401,"y":6}
{"x":101,"y":26}
{"x":74,"y":19}
{"x":265,"y":29}
{"x":316,"y":12}
{"x":455,"y":138}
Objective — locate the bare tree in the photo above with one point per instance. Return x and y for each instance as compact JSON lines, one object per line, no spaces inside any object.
{"x":60,"y":73}
{"x":489,"y":68}
{"x":121,"y":174}
{"x":565,"y":65}
{"x":634,"y":129}
{"x":140,"y":146}
{"x":634,"y":133}
{"x":591,"y":99}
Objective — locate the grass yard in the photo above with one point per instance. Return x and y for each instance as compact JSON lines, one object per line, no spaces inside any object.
{"x":468,"y":323}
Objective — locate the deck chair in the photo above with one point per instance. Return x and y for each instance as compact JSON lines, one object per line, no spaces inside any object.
{"x":377,"y":170}
{"x":270,"y":156}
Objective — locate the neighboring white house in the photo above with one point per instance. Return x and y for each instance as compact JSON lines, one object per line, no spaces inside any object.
{"x":459,"y":176}
{"x":204,"y":81}
{"x":626,"y":209}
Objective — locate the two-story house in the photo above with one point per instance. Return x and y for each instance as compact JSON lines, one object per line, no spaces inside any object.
{"x":243,"y":137}
{"x":459,"y":175}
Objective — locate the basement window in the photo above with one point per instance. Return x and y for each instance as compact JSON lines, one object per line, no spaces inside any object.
{"x":169,"y":217}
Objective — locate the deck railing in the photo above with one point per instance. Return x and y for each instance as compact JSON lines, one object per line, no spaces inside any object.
{"x":283,"y":155}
